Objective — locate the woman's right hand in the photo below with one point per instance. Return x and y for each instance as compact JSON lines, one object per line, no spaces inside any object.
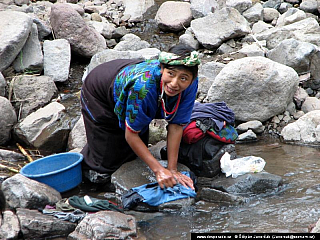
{"x":165,"y":178}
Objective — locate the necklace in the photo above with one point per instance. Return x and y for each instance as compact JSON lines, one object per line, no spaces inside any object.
{"x":174,"y":111}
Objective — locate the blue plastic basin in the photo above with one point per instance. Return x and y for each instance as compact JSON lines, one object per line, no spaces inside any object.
{"x":61,"y":171}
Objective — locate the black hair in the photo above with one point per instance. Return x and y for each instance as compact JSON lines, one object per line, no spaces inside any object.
{"x":183,"y":51}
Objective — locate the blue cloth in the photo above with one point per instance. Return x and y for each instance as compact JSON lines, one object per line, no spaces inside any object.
{"x":217,"y":112}
{"x":154,"y":195}
{"x":136,"y":96}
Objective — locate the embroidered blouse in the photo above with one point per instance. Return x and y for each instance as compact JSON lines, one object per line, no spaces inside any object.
{"x":136,"y":95}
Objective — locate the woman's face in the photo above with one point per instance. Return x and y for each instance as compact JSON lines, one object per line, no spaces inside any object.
{"x":175,"y":80}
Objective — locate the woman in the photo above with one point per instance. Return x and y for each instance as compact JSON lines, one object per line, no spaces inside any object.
{"x":121,"y":97}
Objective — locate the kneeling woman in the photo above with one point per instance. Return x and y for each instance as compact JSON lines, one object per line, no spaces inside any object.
{"x":121,"y":97}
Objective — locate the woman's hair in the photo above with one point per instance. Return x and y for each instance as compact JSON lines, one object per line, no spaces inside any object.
{"x":183,"y":51}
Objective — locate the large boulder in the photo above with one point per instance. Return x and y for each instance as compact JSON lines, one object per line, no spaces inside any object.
{"x":67,"y":23}
{"x":255,"y":88}
{"x":15,"y":28}
{"x":215,"y":28}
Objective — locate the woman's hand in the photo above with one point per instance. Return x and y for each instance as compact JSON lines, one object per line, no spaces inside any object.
{"x":165,"y":178}
{"x":183,"y":179}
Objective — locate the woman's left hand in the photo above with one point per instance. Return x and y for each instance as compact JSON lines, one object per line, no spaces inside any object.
{"x":183,"y":179}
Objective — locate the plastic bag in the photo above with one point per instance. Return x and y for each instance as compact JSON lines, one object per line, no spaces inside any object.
{"x":240,"y":166}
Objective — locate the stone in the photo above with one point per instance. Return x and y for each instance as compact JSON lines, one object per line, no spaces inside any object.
{"x":9,"y":225}
{"x":77,"y":137}
{"x":255,"y":125}
{"x":3,"y":85}
{"x":8,"y":118}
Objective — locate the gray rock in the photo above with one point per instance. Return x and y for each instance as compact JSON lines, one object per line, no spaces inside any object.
{"x":241,"y":6}
{"x":3,"y":85}
{"x":7,"y":119}
{"x":310,"y":6}
{"x":44,"y":29}
{"x":106,"y":225}
{"x":67,"y":23}
{"x":270,"y":14}
{"x":23,"y":192}
{"x":110,"y":54}
{"x":316,"y":228}
{"x":157,"y":130}
{"x":15,"y":28}
{"x":173,"y":16}
{"x":304,"y":130}
{"x":214,"y":29}
{"x":310,"y":104}
{"x":206,"y":74}
{"x":300,"y":96}
{"x":247,"y":136}
{"x":131,"y":42}
{"x":137,"y":8}
{"x":189,"y":40}
{"x":254,"y":13}
{"x":77,"y":137}
{"x":315,"y":66}
{"x":11,"y":156}
{"x":255,"y":125}
{"x":222,"y":198}
{"x":291,"y":16}
{"x":57,"y":57}
{"x":293,"y":53}
{"x":35,"y":225}
{"x":32,"y":92}
{"x":260,"y":26}
{"x":250,"y":183}
{"x":201,"y":8}
{"x":250,"y":88}
{"x":123,"y":181}
{"x":253,"y":50}
{"x":9,"y":226}
{"x":30,"y":57}
{"x":47,"y":128}
{"x":106,"y":29}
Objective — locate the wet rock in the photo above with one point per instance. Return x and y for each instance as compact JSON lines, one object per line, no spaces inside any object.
{"x":30,"y":58}
{"x":9,"y":226}
{"x":305,"y":130}
{"x":106,"y":225}
{"x":11,"y":156}
{"x":7,"y":119}
{"x":3,"y":85}
{"x":123,"y":181}
{"x":255,"y":125}
{"x":67,"y":23}
{"x":310,"y":104}
{"x":173,"y":16}
{"x":250,"y":183}
{"x":265,"y":89}
{"x":293,"y":53}
{"x":247,"y":136}
{"x":131,"y":42}
{"x":32,"y":92}
{"x":57,"y":57}
{"x":77,"y":137}
{"x":214,"y":29}
{"x":15,"y":28}
{"x":23,"y":192}
{"x":222,"y":198}
{"x":47,"y":128}
{"x":35,"y":225}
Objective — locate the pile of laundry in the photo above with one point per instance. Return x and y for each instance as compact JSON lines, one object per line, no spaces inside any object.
{"x":75,"y":208}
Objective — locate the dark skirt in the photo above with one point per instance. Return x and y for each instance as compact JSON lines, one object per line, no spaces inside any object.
{"x":106,"y":149}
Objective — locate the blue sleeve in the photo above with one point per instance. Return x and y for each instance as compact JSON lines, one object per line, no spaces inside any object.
{"x":186,"y":105}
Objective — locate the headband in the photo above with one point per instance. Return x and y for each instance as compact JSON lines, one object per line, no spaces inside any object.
{"x":173,"y":59}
